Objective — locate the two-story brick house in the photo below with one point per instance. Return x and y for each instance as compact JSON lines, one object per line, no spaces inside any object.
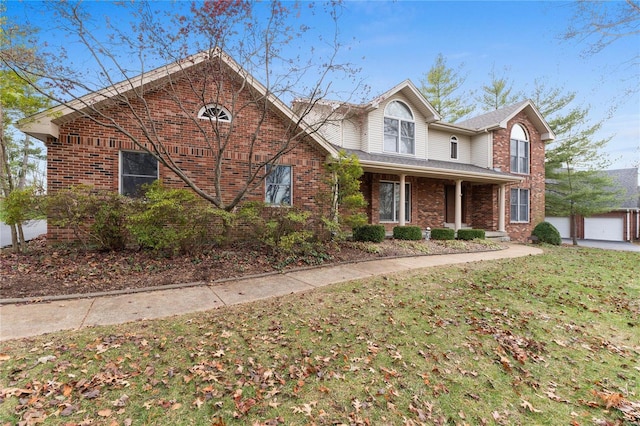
{"x":486,"y":172}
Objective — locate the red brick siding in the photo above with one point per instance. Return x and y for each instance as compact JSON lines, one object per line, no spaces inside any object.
{"x":534,"y":181}
{"x":88,"y":153}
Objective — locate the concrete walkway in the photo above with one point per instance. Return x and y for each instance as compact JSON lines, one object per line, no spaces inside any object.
{"x":27,"y":320}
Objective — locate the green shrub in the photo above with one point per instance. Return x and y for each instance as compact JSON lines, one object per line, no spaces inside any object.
{"x":471,"y":234}
{"x":547,"y":233}
{"x":443,"y":234}
{"x":75,"y":208}
{"x":109,"y":229}
{"x":407,"y":233}
{"x":173,"y":220}
{"x":372,"y":233}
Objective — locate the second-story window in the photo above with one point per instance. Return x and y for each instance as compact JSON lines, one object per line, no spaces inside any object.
{"x":399,"y":129}
{"x":519,"y":150}
{"x":454,"y":147}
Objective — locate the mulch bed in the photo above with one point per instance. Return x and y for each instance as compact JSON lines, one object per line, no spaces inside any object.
{"x":51,"y":271}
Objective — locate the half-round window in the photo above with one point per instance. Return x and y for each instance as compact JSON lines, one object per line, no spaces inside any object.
{"x":399,"y":128}
{"x":214,"y":112}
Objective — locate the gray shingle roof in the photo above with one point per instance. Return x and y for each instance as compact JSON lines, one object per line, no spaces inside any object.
{"x":435,"y":164}
{"x":627,"y":179}
{"x":491,"y":118}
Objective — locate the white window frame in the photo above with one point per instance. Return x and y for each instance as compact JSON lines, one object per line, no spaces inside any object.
{"x":517,"y":200}
{"x":453,"y":147}
{"x":267,"y":184}
{"x":221,"y":111}
{"x":121,"y":169}
{"x":396,"y":201}
{"x":522,"y":154}
{"x":399,"y":121}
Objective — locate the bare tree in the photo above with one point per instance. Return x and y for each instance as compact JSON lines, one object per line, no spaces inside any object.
{"x":602,"y":23}
{"x":268,"y":41}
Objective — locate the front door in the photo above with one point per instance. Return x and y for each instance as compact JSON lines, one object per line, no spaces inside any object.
{"x":450,"y":203}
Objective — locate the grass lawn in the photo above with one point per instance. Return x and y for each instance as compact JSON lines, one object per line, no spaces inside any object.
{"x":550,"y":339}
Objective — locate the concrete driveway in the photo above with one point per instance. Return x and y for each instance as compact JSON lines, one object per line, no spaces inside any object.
{"x":31,"y":229}
{"x":606,"y":245}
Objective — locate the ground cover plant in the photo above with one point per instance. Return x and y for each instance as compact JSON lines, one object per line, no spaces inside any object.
{"x":548,"y":339}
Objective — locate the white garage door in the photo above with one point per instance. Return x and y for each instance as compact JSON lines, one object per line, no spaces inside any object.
{"x":562,"y":224}
{"x":604,"y":228}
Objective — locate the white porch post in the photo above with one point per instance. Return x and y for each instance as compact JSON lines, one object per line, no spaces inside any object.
{"x":501,"y":207}
{"x":402,"y":202}
{"x":458,"y":223}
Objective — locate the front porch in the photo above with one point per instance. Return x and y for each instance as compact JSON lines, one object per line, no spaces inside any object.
{"x":436,"y":203}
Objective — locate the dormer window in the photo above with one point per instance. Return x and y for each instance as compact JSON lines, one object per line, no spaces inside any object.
{"x":214,"y":112}
{"x":519,"y":150}
{"x":399,"y":129}
{"x":453,"y":142}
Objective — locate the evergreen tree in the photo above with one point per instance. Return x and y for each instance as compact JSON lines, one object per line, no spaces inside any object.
{"x":439,"y":85}
{"x":498,"y":93}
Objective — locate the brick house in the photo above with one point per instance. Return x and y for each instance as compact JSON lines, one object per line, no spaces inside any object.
{"x":486,"y":172}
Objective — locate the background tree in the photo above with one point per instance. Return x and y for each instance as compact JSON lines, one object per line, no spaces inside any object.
{"x":20,"y":160}
{"x":575,"y":183}
{"x":498,"y":93}
{"x":269,"y":41}
{"x":438,"y":86}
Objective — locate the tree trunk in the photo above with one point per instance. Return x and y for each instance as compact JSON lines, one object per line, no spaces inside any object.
{"x":574,"y":229}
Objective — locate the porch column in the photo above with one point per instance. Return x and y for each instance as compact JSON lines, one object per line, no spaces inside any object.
{"x":402,"y":202}
{"x":501,"y":207}
{"x":458,"y":223}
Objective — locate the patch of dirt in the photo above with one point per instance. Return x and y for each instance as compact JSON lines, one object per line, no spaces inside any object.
{"x":49,"y":271}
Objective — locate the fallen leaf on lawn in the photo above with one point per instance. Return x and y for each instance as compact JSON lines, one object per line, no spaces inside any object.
{"x":5,"y":357}
{"x":176,"y":406}
{"x":121,"y":402}
{"x":527,"y":406}
{"x":105,"y":413}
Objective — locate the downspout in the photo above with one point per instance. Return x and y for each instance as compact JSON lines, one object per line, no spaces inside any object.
{"x":638,"y":224}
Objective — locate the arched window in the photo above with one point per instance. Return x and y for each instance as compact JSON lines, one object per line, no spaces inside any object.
{"x":519,"y":150}
{"x":214,"y":112}
{"x":399,"y":129}
{"x":454,"y":147}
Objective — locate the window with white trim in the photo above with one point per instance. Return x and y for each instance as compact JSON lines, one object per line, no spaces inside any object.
{"x":136,"y":169}
{"x":278,"y":186}
{"x":519,"y":150}
{"x":399,"y":129}
{"x":519,"y":205}
{"x":453,"y":142}
{"x":390,"y":202}
{"x":215,"y":113}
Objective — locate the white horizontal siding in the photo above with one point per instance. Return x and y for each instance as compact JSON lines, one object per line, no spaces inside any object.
{"x":480,"y":150}
{"x":440,"y":146}
{"x":375,"y":128}
{"x":351,"y":135}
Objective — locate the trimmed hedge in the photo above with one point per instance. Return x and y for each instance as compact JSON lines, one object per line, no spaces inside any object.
{"x":407,"y":233}
{"x":372,"y":233}
{"x":443,"y":234}
{"x":471,"y":234}
{"x":547,"y":233}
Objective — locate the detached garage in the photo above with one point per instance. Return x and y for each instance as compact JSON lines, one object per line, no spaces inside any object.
{"x":604,"y":228}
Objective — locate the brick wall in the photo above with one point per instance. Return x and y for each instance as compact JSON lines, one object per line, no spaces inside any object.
{"x":534,"y":181}
{"x":88,"y":153}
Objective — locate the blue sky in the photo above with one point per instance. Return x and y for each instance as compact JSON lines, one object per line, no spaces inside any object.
{"x":393,"y":41}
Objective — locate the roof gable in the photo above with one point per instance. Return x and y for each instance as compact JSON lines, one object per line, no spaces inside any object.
{"x":413,"y":95}
{"x":45,"y":124}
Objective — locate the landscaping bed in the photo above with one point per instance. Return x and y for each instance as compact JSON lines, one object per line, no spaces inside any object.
{"x":50,"y":271}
